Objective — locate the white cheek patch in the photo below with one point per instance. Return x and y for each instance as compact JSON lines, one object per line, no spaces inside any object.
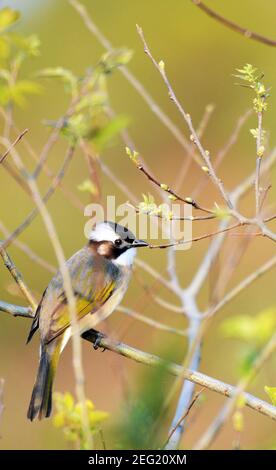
{"x":103,"y":232}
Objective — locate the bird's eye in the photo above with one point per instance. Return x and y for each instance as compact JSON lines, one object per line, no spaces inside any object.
{"x":118,"y":242}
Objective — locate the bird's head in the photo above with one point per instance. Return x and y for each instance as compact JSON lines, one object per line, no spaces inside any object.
{"x":115,"y":242}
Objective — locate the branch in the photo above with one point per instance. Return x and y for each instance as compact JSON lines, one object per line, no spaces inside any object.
{"x":17,"y":277}
{"x":149,"y":321}
{"x":28,"y":251}
{"x":182,"y":418}
{"x":16,"y":310}
{"x":241,"y":286}
{"x":259,"y":155}
{"x":234,"y":26}
{"x":170,"y":191}
{"x":13,"y":145}
{"x":174,"y":369}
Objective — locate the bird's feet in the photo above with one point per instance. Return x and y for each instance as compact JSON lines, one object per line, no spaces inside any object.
{"x":94,"y":337}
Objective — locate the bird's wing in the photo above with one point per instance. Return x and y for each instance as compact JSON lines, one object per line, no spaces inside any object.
{"x":94,"y":280}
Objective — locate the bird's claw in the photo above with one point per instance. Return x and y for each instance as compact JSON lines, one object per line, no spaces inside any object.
{"x":97,"y":342}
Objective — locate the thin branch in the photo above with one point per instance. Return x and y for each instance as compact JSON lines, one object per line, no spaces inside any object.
{"x":247,"y":33}
{"x":149,"y":321}
{"x":224,"y":150}
{"x":27,"y":312}
{"x":241,"y":286}
{"x":2,"y":407}
{"x":155,"y":274}
{"x":192,"y":155}
{"x":28,"y":251}
{"x":196,"y":239}
{"x":258,"y":161}
{"x":170,"y":191}
{"x":16,"y":310}
{"x":17,"y":276}
{"x":182,"y":418}
{"x":13,"y":145}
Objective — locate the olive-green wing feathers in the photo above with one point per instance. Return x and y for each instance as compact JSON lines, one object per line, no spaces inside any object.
{"x":93,"y":279}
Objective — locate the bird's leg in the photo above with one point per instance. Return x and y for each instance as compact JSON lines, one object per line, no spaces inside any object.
{"x":94,"y":337}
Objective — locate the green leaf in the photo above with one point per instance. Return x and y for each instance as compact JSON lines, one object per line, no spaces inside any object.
{"x":21,"y":89}
{"x":5,"y":75}
{"x":148,"y":204}
{"x":4,"y":48}
{"x":29,"y":45}
{"x":271,"y":392}
{"x":8,"y":17}
{"x":256,"y":329}
{"x":63,"y":74}
{"x":222,"y":213}
{"x":114,"y":59}
{"x":108,"y":132}
{"x":76,"y":127}
{"x":133,"y":155}
{"x":88,"y":186}
{"x":97,"y":99}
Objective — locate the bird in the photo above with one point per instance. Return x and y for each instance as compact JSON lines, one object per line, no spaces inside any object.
{"x":100,"y":273}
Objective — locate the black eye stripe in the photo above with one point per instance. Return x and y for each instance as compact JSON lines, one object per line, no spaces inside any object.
{"x":129,"y":240}
{"x":118,"y":242}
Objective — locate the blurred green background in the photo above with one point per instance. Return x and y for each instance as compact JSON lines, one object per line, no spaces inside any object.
{"x":200,"y":57}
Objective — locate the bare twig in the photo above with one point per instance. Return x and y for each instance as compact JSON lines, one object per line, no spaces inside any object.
{"x":151,"y":322}
{"x":2,"y":407}
{"x":191,"y":156}
{"x":13,"y":145}
{"x":241,"y":286}
{"x":181,"y":419}
{"x":17,"y":277}
{"x":28,"y":251}
{"x":223,"y":151}
{"x":258,"y":161}
{"x":247,"y":33}
{"x":196,"y":239}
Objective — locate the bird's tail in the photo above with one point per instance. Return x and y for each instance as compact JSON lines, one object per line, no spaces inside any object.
{"x":41,"y":400}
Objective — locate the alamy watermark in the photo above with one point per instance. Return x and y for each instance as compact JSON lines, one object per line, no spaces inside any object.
{"x":173,"y":223}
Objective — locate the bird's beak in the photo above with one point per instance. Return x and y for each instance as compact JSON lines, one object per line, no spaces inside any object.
{"x":139,"y":243}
